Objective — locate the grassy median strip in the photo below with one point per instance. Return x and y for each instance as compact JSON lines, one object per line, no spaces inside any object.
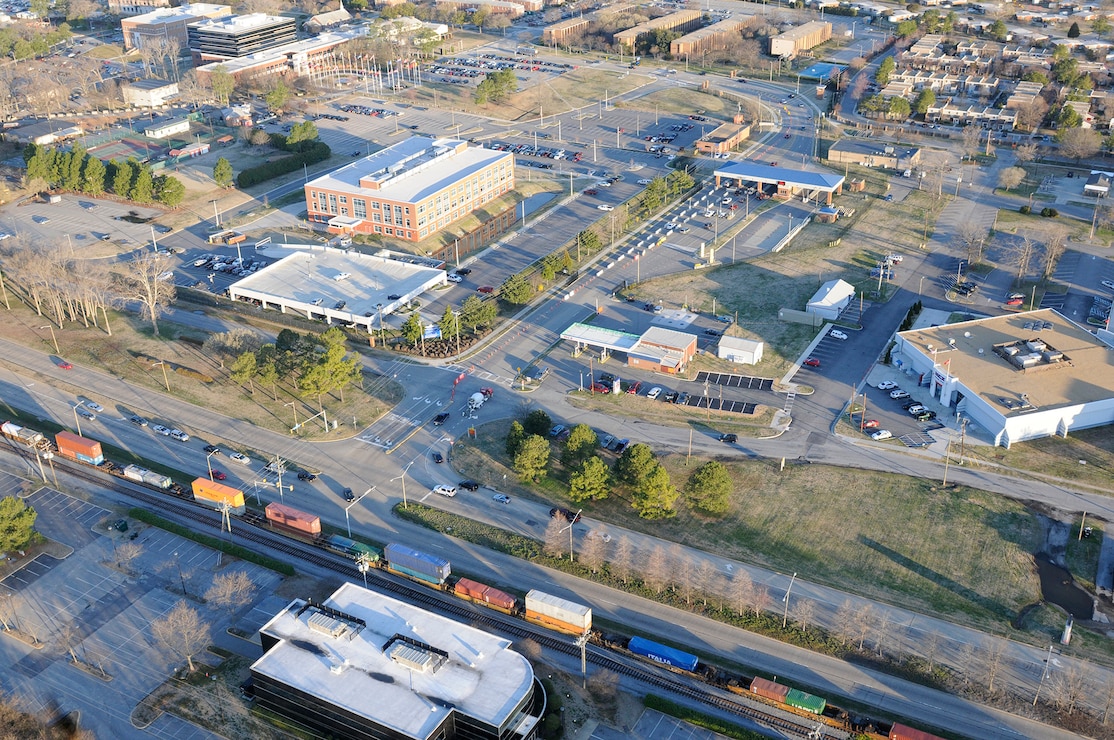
{"x":217,"y":544}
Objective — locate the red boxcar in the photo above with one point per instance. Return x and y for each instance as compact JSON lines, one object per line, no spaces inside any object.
{"x":288,"y":517}
{"x":901,"y":732}
{"x":769,"y":689}
{"x":480,"y":592}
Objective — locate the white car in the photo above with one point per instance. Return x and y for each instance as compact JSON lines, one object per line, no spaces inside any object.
{"x":602,"y":184}
{"x":887,"y":385}
{"x":896,"y":394}
{"x":644,"y":181}
{"x":240,"y":458}
{"x":94,"y":405}
{"x":4,"y":235}
{"x":837,"y":334}
{"x":449,"y":491}
{"x":1108,"y":284}
{"x":654,"y":393}
{"x":160,"y":429}
{"x":454,"y":278}
{"x":894,"y":258}
{"x":880,"y":435}
{"x":501,"y":498}
{"x":179,"y":435}
{"x":602,"y":207}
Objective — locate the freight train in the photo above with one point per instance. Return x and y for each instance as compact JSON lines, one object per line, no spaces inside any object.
{"x":547,"y":610}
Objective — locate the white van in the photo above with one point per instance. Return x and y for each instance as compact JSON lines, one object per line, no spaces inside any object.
{"x":449,"y":491}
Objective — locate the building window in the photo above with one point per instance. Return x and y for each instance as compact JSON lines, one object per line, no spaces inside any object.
{"x":344,"y":211}
{"x":344,"y":199}
{"x":359,"y":207}
{"x":375,"y":205}
{"x":375,"y":217}
{"x":378,"y":230}
{"x":390,"y":231}
{"x":332,"y":203}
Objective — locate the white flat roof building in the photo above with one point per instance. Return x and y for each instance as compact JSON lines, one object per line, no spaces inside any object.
{"x":337,"y":286}
{"x":364,"y":665}
{"x":1023,"y":376}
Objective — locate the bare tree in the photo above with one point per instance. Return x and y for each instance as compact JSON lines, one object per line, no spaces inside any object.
{"x":1106,"y":696}
{"x":761,"y":600}
{"x":140,"y":283}
{"x":555,"y":537}
{"x":804,"y":612}
{"x":703,"y":578}
{"x":882,"y":631}
{"x":1031,"y":114}
{"x":682,"y":570}
{"x":1026,"y":152}
{"x":1054,"y":246}
{"x":126,"y":553}
{"x":623,"y":565}
{"x":972,"y":238}
{"x":1080,"y":143}
{"x":1069,"y":687}
{"x":969,"y":140}
{"x":1022,"y":253}
{"x":991,"y":656}
{"x":231,"y":590}
{"x":930,"y":648}
{"x":530,"y":648}
{"x":604,"y":686}
{"x":182,"y":632}
{"x":845,"y":622}
{"x":740,"y":591}
{"x":593,"y":552}
{"x":656,"y":572}
{"x":862,"y":624}
{"x":228,"y":345}
{"x":1010,"y":177}
{"x":9,"y":610}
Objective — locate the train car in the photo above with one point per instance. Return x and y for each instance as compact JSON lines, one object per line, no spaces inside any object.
{"x":769,"y":689}
{"x":216,"y":495}
{"x":415,"y":564}
{"x":23,"y":435}
{"x":901,"y":732}
{"x":79,"y":448}
{"x":482,"y":594}
{"x":352,"y":548}
{"x":662,"y":654}
{"x":143,"y":475}
{"x":806,"y":702}
{"x":557,"y":613}
{"x":291,"y":519}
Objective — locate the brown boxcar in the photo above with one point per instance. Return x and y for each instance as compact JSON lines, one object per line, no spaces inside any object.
{"x":288,"y":517}
{"x":769,"y":689}
{"x":79,"y":448}
{"x":214,"y":495}
{"x":901,"y":732}
{"x":479,"y":592}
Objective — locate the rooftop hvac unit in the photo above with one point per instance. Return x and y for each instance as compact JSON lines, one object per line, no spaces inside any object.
{"x":1036,"y":345}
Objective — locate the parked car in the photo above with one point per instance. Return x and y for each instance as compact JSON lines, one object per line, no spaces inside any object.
{"x":880,"y":435}
{"x":469,"y":485}
{"x":916,"y":410}
{"x":926,"y":416}
{"x":448,"y":491}
{"x":887,"y":385}
{"x":1015,"y":301}
{"x":837,"y":334}
{"x":654,"y":393}
{"x":600,"y":388}
{"x":464,"y":271}
{"x":501,"y":498}
{"x":86,"y":414}
{"x":635,"y":388}
{"x":556,"y":430}
{"x":812,"y":362}
{"x":898,"y":393}
{"x":452,"y":278}
{"x":671,"y":397}
{"x":870,"y":424}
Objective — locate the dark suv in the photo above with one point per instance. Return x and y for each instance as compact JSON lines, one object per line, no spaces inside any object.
{"x":440,"y":418}
{"x":569,"y":514}
{"x":469,"y":485}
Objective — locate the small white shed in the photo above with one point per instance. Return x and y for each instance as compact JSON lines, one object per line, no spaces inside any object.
{"x":742,"y":351}
{"x":831,"y":299}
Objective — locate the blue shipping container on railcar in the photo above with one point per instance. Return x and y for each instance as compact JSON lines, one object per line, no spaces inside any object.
{"x":432,"y":567}
{"x":662,"y":654}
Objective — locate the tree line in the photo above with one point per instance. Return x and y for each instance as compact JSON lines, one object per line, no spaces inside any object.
{"x":305,"y":149}
{"x":79,"y":171}
{"x":637,"y":474}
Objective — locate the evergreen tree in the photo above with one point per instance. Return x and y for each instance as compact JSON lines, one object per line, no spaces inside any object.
{"x":538,"y":422}
{"x":93,"y":176}
{"x":635,"y":462}
{"x":581,"y":445}
{"x":515,"y":435}
{"x":17,"y":524}
{"x":591,"y":482}
{"x":169,"y":190}
{"x":516,"y":289}
{"x":121,"y":178}
{"x":709,"y":488}
{"x":222,"y":173}
{"x":143,"y":187}
{"x":532,"y":458}
{"x":655,"y":497}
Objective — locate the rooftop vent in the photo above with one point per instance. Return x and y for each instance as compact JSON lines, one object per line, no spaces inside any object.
{"x":326,"y":625}
{"x":414,"y":654}
{"x":967,"y":334}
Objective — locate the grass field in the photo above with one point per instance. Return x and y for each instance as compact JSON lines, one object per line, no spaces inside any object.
{"x":959,"y":552}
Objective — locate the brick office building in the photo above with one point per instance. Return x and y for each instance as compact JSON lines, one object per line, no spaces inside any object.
{"x":411,"y":189}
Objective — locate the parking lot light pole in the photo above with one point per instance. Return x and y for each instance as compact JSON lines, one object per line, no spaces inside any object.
{"x":403,"y":479}
{"x":785,"y":612}
{"x":920,"y":288}
{"x":53,"y":338}
{"x":181,"y":580}
{"x":165,"y":377}
{"x":359,"y":498}
{"x":76,"y":418}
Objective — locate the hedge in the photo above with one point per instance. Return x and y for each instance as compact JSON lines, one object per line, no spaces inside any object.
{"x":318,"y":151}
{"x":217,"y":544}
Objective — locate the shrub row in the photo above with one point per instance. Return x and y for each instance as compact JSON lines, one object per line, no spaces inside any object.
{"x":317,"y":152}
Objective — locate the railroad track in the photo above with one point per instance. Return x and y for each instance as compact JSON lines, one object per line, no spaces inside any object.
{"x":434,"y":600}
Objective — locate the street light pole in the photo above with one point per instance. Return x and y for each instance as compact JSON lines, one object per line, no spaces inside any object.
{"x":76,"y":419}
{"x":785,"y":613}
{"x":294,"y":407}
{"x":181,"y":580}
{"x":209,"y":464}
{"x":920,"y":288}
{"x":347,"y":521}
{"x":53,"y":338}
{"x":165,"y":377}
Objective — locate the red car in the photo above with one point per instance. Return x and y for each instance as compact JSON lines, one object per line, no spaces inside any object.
{"x":634,"y":389}
{"x":591,"y":191}
{"x":218,"y":475}
{"x":870,"y":424}
{"x":487,"y":290}
{"x":812,"y":362}
{"x":1015,"y":301}
{"x":600,"y":388}
{"x":65,"y":365}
